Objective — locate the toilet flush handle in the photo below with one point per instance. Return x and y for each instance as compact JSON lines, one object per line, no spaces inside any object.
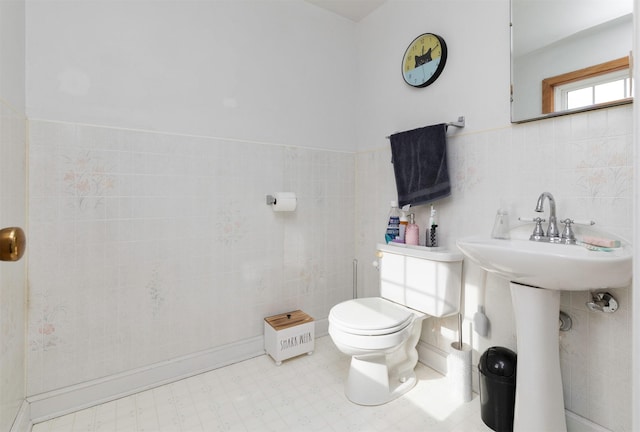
{"x":376,"y":263}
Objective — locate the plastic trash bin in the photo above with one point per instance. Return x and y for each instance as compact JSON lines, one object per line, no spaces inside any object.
{"x":497,"y":369}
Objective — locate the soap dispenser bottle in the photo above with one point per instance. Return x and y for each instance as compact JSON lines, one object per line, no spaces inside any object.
{"x":411,"y":235}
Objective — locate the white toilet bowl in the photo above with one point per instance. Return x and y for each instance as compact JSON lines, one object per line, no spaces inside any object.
{"x":381,"y":337}
{"x":381,"y":333}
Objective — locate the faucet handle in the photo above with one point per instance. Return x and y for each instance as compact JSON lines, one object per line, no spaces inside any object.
{"x":538,"y":232}
{"x":567,"y":234}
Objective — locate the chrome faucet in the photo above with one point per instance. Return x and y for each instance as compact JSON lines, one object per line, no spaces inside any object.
{"x":553,"y":233}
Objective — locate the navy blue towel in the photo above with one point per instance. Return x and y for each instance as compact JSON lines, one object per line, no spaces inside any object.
{"x":419,"y":158}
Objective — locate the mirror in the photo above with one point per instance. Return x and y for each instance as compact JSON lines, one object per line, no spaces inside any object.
{"x":553,"y":40}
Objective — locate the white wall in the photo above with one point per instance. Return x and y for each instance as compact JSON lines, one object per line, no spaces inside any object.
{"x":635,"y":322}
{"x":269,"y":71}
{"x":12,"y":24}
{"x":156,"y":131}
{"x":12,"y":209}
{"x":474,"y":82}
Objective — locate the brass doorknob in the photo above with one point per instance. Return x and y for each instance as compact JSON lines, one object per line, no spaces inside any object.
{"x":12,"y":244}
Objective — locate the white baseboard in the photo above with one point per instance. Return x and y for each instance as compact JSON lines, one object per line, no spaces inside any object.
{"x":436,"y":359}
{"x":575,"y":423}
{"x":22,"y":422}
{"x":432,"y":356}
{"x":63,"y":401}
{"x":322,"y":327}
{"x":55,"y":403}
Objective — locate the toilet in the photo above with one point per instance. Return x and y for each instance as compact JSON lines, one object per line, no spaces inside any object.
{"x":381,"y":333}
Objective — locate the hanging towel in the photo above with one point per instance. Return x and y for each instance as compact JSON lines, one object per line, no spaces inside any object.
{"x":419,"y":158}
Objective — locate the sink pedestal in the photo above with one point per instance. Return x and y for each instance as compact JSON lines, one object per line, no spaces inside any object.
{"x":539,"y":397}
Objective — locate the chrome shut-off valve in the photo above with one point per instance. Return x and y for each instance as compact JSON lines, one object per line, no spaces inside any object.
{"x":602,"y":302}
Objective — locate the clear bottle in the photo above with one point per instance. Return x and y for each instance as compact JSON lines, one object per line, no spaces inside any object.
{"x":501,"y":225}
{"x":412,"y":233}
{"x":393,"y":226}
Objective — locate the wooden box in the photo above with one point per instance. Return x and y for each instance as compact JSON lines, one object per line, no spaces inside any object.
{"x":288,"y":335}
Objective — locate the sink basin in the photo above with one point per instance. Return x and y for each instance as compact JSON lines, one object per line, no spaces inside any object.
{"x":549,"y":265}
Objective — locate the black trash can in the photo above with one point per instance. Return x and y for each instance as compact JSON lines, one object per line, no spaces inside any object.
{"x":497,"y":369}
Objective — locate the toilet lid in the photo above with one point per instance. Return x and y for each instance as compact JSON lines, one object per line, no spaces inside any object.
{"x":370,"y":316}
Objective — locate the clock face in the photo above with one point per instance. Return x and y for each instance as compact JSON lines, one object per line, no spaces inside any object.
{"x":424,"y":60}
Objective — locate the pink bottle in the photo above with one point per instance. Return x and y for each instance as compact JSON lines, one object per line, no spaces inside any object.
{"x":411,"y":234}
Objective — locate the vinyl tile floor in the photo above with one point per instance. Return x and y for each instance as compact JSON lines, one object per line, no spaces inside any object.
{"x":305,"y":393}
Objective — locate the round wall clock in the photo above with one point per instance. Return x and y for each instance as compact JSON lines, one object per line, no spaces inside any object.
{"x":424,"y":60}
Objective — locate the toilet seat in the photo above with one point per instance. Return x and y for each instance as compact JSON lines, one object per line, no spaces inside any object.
{"x":372,"y":316}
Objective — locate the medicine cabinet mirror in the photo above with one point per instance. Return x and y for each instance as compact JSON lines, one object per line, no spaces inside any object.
{"x":569,"y":56}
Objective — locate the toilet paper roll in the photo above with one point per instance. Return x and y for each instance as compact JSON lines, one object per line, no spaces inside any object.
{"x":284,"y":201}
{"x":459,"y":372}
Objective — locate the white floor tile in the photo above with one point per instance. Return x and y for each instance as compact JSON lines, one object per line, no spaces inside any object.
{"x":303,"y":394}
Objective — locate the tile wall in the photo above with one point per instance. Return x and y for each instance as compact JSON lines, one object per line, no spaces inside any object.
{"x":586,"y":161}
{"x":149,"y":246}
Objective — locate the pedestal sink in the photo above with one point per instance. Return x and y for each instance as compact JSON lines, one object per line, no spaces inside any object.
{"x":537,"y":273}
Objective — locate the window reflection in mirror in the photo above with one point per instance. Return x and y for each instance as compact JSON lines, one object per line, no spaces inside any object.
{"x":607,"y":82}
{"x":564,"y":38}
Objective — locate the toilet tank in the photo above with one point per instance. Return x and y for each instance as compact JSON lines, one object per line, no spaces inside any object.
{"x":425,"y":279}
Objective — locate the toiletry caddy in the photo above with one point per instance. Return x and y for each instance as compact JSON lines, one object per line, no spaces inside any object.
{"x":289,"y":335}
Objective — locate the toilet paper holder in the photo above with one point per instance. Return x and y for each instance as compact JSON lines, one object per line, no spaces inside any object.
{"x":282,"y":201}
